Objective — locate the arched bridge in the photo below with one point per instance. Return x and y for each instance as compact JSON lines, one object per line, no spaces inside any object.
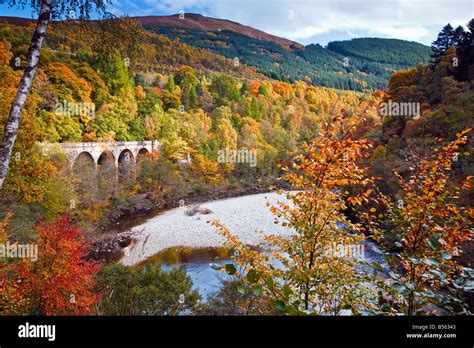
{"x":117,"y":153}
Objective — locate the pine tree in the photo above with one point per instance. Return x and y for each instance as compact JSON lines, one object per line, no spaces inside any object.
{"x":263,"y":90}
{"x":458,"y":36}
{"x":244,"y":88}
{"x":465,"y":52}
{"x":170,"y":85}
{"x":444,"y":41}
{"x":255,"y":110}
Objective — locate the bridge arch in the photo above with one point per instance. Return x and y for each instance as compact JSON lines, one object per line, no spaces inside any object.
{"x":83,"y":160}
{"x":106,"y":159}
{"x":106,"y":173}
{"x":84,"y":167}
{"x":141,"y":154}
{"x":125,"y":163}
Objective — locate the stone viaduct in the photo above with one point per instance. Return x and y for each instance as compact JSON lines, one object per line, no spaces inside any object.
{"x":123,"y":155}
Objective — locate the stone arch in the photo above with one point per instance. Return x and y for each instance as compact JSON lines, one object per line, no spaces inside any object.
{"x":141,"y":154}
{"x":83,"y":160}
{"x":125,"y":164}
{"x":106,"y":159}
{"x":106,"y":172}
{"x":83,"y":168}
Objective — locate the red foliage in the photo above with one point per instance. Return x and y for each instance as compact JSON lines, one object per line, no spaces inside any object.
{"x":60,"y":282}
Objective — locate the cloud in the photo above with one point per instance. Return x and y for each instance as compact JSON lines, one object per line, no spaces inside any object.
{"x":409,"y":33}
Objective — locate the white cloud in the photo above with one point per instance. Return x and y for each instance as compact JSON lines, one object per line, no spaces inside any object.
{"x":411,"y":33}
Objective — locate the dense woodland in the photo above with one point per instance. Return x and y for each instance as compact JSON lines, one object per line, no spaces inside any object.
{"x":147,"y":86}
{"x":358,"y":64}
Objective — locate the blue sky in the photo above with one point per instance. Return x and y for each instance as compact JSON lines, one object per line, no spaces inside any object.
{"x":313,"y":21}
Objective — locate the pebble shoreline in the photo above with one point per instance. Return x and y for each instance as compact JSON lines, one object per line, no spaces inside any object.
{"x":247,"y":217}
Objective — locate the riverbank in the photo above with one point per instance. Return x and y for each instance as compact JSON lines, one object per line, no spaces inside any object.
{"x":108,"y":240}
{"x":247,"y":217}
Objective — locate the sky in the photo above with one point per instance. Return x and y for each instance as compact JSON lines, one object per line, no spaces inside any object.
{"x":312,"y":21}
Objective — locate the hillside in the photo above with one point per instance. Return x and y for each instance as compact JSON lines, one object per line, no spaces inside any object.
{"x":388,"y":51}
{"x":102,"y":82}
{"x":202,"y":23}
{"x":354,"y":64}
{"x":16,"y":20}
{"x":69,"y":38}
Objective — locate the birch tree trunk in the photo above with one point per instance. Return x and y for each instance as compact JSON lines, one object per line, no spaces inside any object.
{"x":13,"y":121}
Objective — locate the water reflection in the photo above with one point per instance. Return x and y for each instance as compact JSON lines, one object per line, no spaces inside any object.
{"x":207,"y":280}
{"x":197,"y":263}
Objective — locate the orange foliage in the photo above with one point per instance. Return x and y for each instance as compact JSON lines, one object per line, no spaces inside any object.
{"x":154,"y":155}
{"x":5,"y":54}
{"x":283,"y":89}
{"x":429,"y":222}
{"x":379,"y":94}
{"x":67,"y":84}
{"x":208,"y":169}
{"x":157,"y":90}
{"x":254,"y":86}
{"x":140,"y":93}
{"x":320,"y":177}
{"x":402,"y":78}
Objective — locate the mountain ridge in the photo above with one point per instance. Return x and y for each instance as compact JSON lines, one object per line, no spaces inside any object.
{"x":318,"y":65}
{"x":204,"y":23}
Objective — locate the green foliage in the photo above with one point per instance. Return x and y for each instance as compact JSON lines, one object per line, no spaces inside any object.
{"x":235,"y":298}
{"x":113,"y":70}
{"x":244,"y":88}
{"x":61,"y":128}
{"x":186,"y":79}
{"x":224,"y":90}
{"x":170,"y":85}
{"x":389,"y":51}
{"x":442,"y":43}
{"x":147,"y":291}
{"x":254,"y":110}
{"x":158,"y":175}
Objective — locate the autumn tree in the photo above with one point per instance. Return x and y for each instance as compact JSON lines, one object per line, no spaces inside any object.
{"x":47,"y":9}
{"x":124,"y":35}
{"x":224,"y":90}
{"x":30,"y":170}
{"x":187,"y":80}
{"x":430,"y":226}
{"x":313,"y":277}
{"x":59,"y":282}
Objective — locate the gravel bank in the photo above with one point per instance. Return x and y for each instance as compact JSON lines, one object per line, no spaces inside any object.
{"x":247,"y":217}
